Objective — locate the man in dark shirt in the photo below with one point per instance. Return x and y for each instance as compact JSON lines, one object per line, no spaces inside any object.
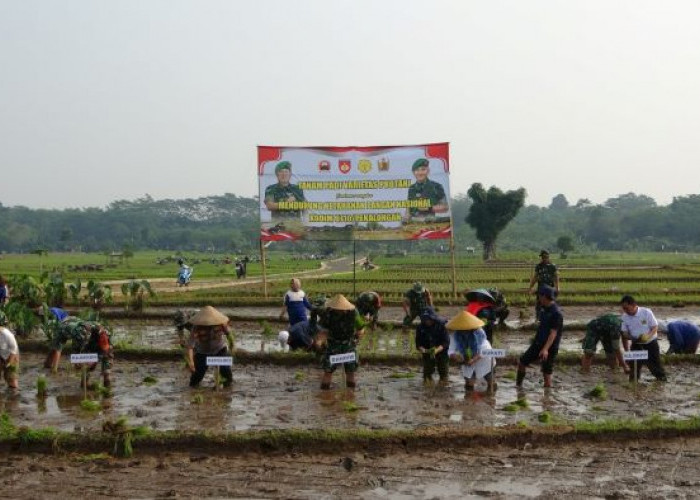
{"x":433,"y":341}
{"x":683,"y":337}
{"x":544,"y":274}
{"x":545,"y":346}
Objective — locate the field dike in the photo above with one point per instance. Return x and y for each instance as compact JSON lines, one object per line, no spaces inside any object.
{"x":329,"y":441}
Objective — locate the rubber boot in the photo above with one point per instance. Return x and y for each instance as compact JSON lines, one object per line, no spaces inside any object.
{"x":586,"y":363}
{"x":520,"y":377}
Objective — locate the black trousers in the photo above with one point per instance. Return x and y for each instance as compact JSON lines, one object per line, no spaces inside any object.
{"x":654,"y":361}
{"x":200,"y":368}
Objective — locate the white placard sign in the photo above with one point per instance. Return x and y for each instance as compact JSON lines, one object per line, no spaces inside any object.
{"x":493,"y":353}
{"x":88,"y":357}
{"x":635,"y":355}
{"x":338,"y":359}
{"x":219,"y":361}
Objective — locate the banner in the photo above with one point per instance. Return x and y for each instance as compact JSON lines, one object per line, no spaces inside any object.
{"x":355,"y":193}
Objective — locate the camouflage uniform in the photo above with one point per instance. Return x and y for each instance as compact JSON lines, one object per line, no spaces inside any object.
{"x":545,"y":274}
{"x":278,"y":193}
{"x":605,"y":329}
{"x":369,"y":303}
{"x":87,"y":337}
{"x":342,"y":339}
{"x":418,"y":303}
{"x":428,"y":189}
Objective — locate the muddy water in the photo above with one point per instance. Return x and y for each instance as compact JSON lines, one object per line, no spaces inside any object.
{"x":272,"y":397}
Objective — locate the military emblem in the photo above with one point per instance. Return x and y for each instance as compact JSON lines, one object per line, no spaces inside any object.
{"x":344,"y":166}
{"x":383,"y":165}
{"x":364,"y":165}
{"x":324,"y":166}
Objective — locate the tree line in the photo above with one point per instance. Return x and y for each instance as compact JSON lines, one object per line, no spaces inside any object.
{"x":229,"y":223}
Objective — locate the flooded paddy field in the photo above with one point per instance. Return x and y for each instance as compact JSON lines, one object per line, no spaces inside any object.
{"x":277,"y":397}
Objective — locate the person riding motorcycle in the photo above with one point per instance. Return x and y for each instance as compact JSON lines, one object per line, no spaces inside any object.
{"x":184,"y":274}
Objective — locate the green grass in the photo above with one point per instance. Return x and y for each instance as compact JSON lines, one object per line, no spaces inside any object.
{"x":545,"y":417}
{"x":150,"y":380}
{"x":599,"y":392}
{"x":89,"y":405}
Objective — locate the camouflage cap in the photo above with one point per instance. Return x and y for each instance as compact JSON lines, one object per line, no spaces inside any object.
{"x":418,"y":287}
{"x":420,"y":162}
{"x":283,"y":165}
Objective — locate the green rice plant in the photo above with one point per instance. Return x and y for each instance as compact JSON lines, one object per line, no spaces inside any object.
{"x":150,"y":380}
{"x":27,"y":435}
{"x":123,"y":435}
{"x":7,"y":427}
{"x":350,"y":406}
{"x":90,"y":405}
{"x":92,"y":457}
{"x":197,"y":399}
{"x":402,"y":375}
{"x":599,"y":392}
{"x":545,"y":417}
{"x":512,"y":408}
{"x":299,"y":376}
{"x":105,"y":392}
{"x":510,"y":375}
{"x":41,"y":386}
{"x":522,"y":403}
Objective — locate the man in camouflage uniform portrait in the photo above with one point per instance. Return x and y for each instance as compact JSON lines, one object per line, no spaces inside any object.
{"x":423,"y":189}
{"x":605,"y":329}
{"x":415,"y":301}
{"x":283,"y":191}
{"x":344,"y":327}
{"x":85,"y":337}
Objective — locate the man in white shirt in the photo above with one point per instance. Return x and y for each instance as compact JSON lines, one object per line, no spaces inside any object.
{"x":639,"y":326}
{"x":9,"y":354}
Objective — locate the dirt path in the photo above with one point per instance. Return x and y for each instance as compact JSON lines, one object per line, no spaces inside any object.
{"x":656,"y":469}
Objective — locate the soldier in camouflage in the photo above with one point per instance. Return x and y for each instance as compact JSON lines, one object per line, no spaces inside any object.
{"x":368,"y":305}
{"x":424,"y":188}
{"x":283,"y":191}
{"x":605,"y":329}
{"x":415,"y":301}
{"x":85,"y":337}
{"x":344,"y":327}
{"x":544,"y":274}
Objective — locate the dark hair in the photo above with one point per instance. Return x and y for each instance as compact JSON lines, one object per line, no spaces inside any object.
{"x":628,"y":299}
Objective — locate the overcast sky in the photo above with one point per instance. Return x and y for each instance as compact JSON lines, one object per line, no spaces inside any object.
{"x":114,"y":100}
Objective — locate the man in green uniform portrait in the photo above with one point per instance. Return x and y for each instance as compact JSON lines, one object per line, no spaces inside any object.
{"x":283,"y":191}
{"x":424,"y":188}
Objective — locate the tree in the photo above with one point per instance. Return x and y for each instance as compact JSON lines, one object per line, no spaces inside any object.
{"x":559,"y":202}
{"x":565,"y":244}
{"x":490,"y":213}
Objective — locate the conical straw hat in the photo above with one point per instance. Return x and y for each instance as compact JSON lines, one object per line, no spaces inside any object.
{"x":464,"y":321}
{"x":209,"y":316}
{"x":340,"y":303}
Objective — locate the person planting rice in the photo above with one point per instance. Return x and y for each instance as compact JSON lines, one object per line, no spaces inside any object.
{"x":209,"y":337}
{"x":9,"y":354}
{"x":683,"y":337}
{"x":605,"y":329}
{"x":85,"y":337}
{"x":639,"y":326}
{"x":295,"y":303}
{"x":415,"y":300}
{"x":368,"y":305}
{"x":545,"y":345}
{"x":343,"y":328}
{"x":489,"y":306}
{"x":433,"y":342}
{"x":303,"y":335}
{"x":466,"y":347}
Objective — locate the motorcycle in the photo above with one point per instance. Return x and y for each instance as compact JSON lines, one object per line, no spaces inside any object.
{"x":184,"y":276}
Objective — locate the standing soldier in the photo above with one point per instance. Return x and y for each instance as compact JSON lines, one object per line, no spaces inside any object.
{"x":283,"y":191}
{"x":368,"y":305}
{"x":344,"y":328}
{"x":606,"y":330}
{"x":415,"y":301}
{"x":544,"y":274}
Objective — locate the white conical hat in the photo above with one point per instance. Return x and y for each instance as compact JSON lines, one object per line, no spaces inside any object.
{"x":340,"y":303}
{"x":208,"y":316}
{"x":464,"y":320}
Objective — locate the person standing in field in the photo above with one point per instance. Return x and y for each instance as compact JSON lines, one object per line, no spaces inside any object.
{"x":415,"y":301}
{"x":433,"y":342}
{"x":343,"y":329}
{"x":545,"y":345}
{"x":683,"y":337}
{"x":544,"y":274}
{"x":639,"y":326}
{"x":605,"y":329}
{"x":9,"y":354}
{"x":295,"y":303}
{"x":210,"y":336}
{"x":466,"y":347}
